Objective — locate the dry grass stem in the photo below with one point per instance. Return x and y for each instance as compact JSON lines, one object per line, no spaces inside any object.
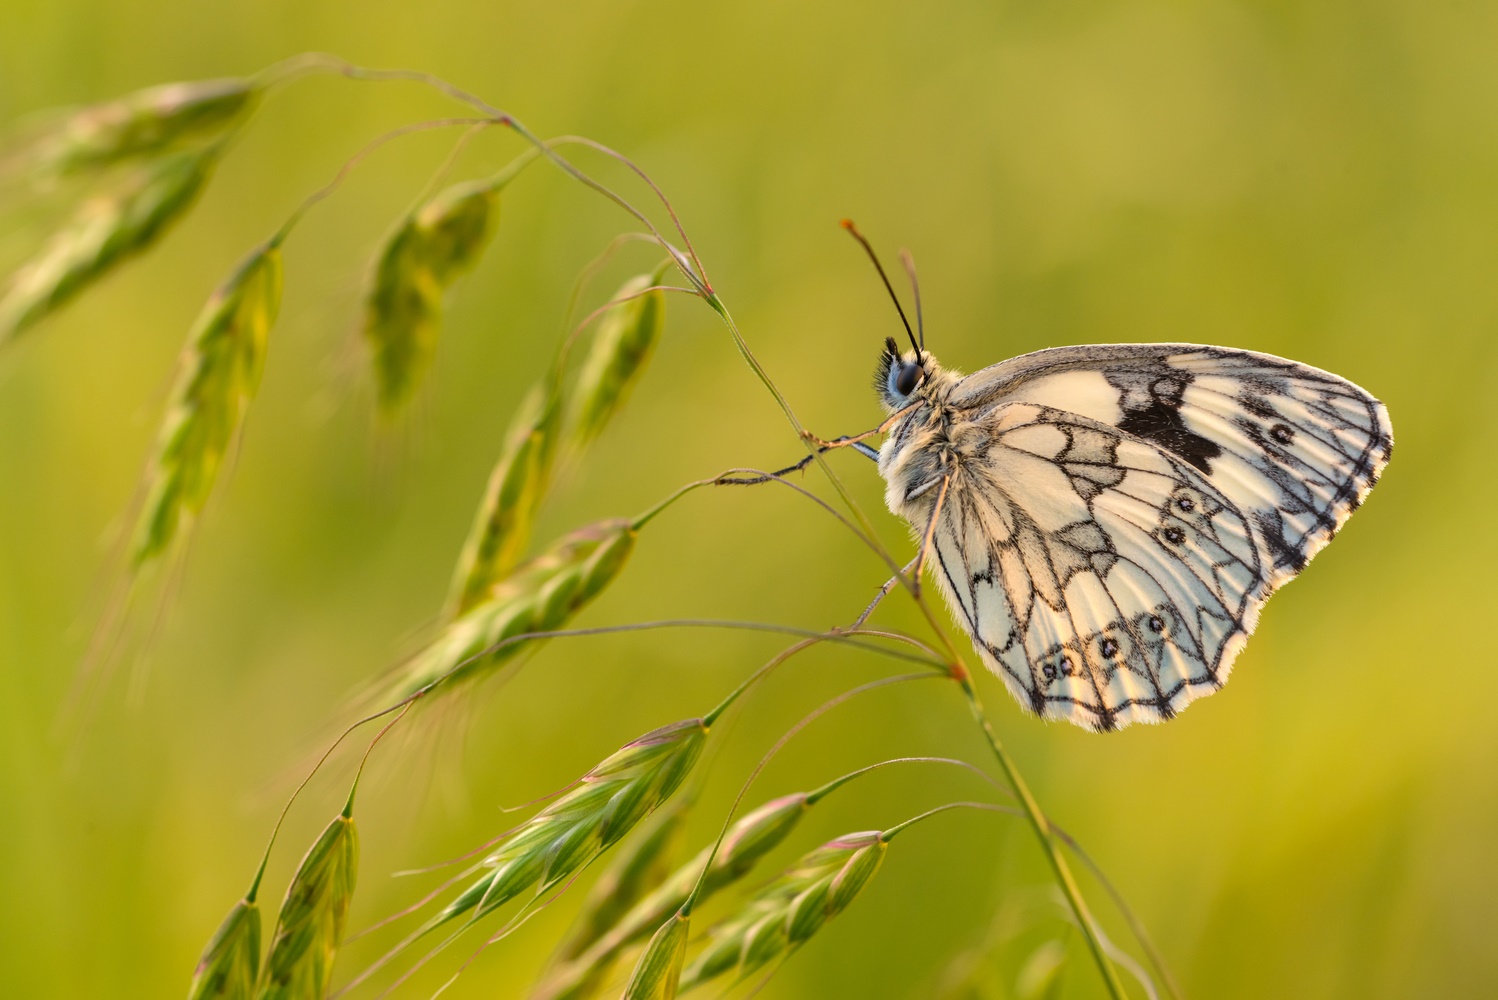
{"x":106,"y":231}
{"x":230,"y":963}
{"x":220,"y":373}
{"x":147,"y":123}
{"x":440,"y":240}
{"x":310,"y":926}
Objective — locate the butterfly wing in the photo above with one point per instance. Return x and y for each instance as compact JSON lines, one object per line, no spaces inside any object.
{"x":1105,"y":579}
{"x":1296,"y":449}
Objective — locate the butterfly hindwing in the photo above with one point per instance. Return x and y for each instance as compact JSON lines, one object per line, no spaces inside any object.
{"x":1105,"y":579}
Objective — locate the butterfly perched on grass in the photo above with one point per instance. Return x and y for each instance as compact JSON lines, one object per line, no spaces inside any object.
{"x":1107,"y":521}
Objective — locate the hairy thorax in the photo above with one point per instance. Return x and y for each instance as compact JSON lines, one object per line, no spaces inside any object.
{"x":928,"y":442}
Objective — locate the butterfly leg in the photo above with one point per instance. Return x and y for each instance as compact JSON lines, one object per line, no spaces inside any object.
{"x":928,"y":536}
{"x":855,"y":442}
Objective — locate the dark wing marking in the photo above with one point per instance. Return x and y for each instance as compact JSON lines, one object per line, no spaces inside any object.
{"x":1296,"y":449}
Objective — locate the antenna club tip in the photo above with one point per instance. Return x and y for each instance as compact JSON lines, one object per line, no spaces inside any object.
{"x":848,"y":225}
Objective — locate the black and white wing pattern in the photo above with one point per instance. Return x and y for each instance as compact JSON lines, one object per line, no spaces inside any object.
{"x":1115,"y":516}
{"x":1295,"y":448}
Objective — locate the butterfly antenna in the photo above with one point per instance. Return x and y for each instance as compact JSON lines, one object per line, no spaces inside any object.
{"x":915,"y":289}
{"x":853,"y":231}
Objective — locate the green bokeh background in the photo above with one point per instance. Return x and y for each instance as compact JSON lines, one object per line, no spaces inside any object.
{"x":1314,"y":180}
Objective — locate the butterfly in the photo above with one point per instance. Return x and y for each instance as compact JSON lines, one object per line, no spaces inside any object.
{"x":1107,"y":521}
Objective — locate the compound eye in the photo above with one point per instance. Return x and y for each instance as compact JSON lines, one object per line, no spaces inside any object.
{"x":910,"y":376}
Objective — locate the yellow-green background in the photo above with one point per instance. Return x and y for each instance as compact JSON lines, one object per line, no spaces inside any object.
{"x":1317,"y":180}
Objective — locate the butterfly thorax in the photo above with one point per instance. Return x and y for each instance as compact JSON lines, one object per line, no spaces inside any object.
{"x":929,"y":440}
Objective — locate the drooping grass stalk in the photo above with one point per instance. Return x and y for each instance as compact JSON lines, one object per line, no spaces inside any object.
{"x":541,"y":596}
{"x":442,"y":239}
{"x":691,"y":267}
{"x":596,"y":811}
{"x":623,"y":344}
{"x":635,"y":873}
{"x":787,"y":912}
{"x":570,"y":833}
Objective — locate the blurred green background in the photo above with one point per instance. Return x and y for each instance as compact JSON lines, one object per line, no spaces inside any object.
{"x":1313,"y":180}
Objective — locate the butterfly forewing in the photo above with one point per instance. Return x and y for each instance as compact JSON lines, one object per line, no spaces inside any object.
{"x":1115,"y":516}
{"x":1296,"y":448}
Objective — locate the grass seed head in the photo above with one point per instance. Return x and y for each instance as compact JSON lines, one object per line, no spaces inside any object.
{"x":310,"y":926}
{"x":789,"y":910}
{"x":146,"y":123}
{"x":747,"y":841}
{"x":604,"y":805}
{"x":502,"y":529}
{"x":657,"y":974}
{"x":626,"y":337}
{"x":541,"y":595}
{"x":231,"y":962}
{"x":643,"y":864}
{"x":225,"y":353}
{"x":440,"y":240}
{"x":105,"y":232}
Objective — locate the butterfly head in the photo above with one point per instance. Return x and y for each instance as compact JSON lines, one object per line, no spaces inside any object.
{"x":900,"y":377}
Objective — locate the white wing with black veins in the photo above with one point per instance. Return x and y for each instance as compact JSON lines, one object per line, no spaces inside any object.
{"x":1295,"y":448}
{"x":1110,"y":542}
{"x":1105,"y":580}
